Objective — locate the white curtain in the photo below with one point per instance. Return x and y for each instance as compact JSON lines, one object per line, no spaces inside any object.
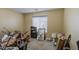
{"x":40,"y":22}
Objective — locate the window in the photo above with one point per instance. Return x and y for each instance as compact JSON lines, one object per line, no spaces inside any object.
{"x":40,"y":22}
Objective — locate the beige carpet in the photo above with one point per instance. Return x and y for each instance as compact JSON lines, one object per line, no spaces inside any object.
{"x":40,"y":45}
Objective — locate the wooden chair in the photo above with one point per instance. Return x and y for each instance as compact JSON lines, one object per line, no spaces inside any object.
{"x":67,"y":43}
{"x":61,"y":44}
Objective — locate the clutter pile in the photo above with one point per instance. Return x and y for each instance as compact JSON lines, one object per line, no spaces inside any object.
{"x":14,"y":39}
{"x":61,"y":41}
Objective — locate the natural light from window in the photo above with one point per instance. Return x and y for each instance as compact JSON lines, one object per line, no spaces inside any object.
{"x":40,"y":22}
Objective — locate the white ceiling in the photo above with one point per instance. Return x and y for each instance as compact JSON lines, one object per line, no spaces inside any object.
{"x":30,"y":10}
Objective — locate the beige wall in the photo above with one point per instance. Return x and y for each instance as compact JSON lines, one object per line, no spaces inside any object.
{"x":71,"y":22}
{"x":11,"y":20}
{"x":16,"y":21}
{"x":55,"y":20}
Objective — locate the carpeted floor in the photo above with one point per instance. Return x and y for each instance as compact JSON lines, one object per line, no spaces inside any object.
{"x":40,"y":45}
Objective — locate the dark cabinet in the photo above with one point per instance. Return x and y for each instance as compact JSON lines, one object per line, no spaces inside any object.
{"x":33,"y":32}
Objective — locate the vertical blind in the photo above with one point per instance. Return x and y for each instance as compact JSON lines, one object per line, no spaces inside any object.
{"x":40,"y":22}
